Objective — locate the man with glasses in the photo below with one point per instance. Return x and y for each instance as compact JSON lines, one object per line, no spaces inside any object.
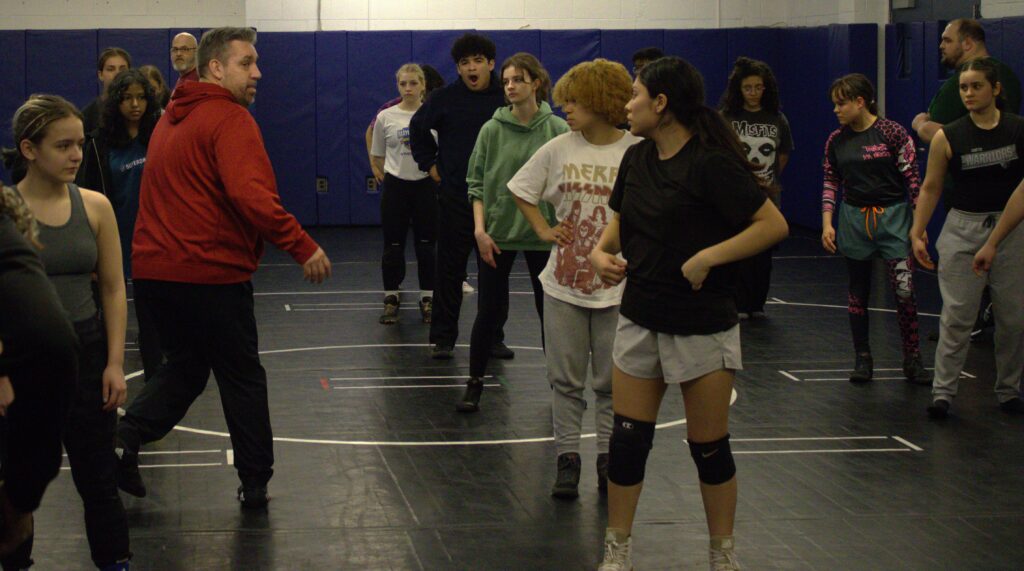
{"x":183,"y":58}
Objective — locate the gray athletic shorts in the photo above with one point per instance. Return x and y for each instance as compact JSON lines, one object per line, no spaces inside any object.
{"x":645,"y":354}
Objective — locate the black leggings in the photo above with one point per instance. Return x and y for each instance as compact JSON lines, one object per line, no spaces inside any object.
{"x":89,"y":442}
{"x":493,"y":296}
{"x":901,"y":281}
{"x":402,"y":203}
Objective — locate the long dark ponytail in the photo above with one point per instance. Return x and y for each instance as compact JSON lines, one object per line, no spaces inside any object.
{"x":683,"y":86}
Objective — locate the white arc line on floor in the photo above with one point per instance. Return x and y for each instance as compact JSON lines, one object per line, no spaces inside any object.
{"x":790,"y":376}
{"x":404,"y":378}
{"x":460,"y":386}
{"x":199,"y":465}
{"x":908,"y":443}
{"x":230,"y":456}
{"x":823,"y":451}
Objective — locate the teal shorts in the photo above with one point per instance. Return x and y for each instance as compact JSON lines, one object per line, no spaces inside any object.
{"x":874,"y":231}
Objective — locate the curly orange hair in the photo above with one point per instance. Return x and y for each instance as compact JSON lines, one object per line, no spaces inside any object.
{"x":602,"y":87}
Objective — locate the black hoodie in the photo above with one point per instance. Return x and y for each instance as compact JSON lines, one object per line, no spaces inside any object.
{"x":457,"y":114}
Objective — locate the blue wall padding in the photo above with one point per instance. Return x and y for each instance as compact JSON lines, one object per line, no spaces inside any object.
{"x":332,"y":137}
{"x":145,"y":46}
{"x":803,"y":80}
{"x":562,"y":49}
{"x":285,"y":108}
{"x":708,"y":51}
{"x":13,"y":91}
{"x":434,"y":47}
{"x":321,"y":89}
{"x":373,"y":59}
{"x":619,"y":45}
{"x":62,"y":62}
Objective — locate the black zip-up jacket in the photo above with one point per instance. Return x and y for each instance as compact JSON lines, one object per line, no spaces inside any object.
{"x":94,"y":173}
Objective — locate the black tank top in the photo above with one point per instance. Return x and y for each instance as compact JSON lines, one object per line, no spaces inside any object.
{"x":987,"y":165}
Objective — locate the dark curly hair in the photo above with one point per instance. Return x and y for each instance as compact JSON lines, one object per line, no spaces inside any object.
{"x":732,"y":99}
{"x":112,"y":126}
{"x":469,"y":45}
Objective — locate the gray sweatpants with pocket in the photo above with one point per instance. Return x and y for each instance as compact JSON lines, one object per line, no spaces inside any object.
{"x":963,"y":234}
{"x":576,"y":337}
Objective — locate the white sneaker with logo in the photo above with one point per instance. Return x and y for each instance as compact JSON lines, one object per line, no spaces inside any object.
{"x":616,"y":554}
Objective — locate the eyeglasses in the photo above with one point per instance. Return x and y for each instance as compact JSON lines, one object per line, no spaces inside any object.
{"x":182,"y":50}
{"x":753,"y":89}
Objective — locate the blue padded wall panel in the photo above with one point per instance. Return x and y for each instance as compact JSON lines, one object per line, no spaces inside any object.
{"x":332,"y":143}
{"x":803,"y":79}
{"x":434,"y":47}
{"x":905,"y":86}
{"x":145,"y":46}
{"x":757,"y":43}
{"x":619,"y":45}
{"x":510,"y":42}
{"x":853,"y":48}
{"x":562,"y":49}
{"x":1012,"y":53}
{"x":62,"y":62}
{"x":935,"y":73}
{"x":708,"y":51}
{"x":373,"y":58}
{"x":12,"y":92}
{"x":285,"y":109}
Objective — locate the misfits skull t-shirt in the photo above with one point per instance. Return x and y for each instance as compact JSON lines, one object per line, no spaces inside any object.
{"x":765,"y":136}
{"x":577,"y":178}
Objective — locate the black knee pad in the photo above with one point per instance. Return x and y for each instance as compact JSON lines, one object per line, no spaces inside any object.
{"x":714,"y":461}
{"x":630,"y":444}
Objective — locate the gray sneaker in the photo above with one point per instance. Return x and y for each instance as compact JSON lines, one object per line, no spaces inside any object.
{"x":617,"y":556}
{"x":722,"y":556}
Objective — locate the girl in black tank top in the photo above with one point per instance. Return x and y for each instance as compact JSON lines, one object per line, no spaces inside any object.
{"x":79,"y":237}
{"x":984,"y":154}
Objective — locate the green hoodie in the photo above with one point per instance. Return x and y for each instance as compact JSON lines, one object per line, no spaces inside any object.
{"x":502,"y":148}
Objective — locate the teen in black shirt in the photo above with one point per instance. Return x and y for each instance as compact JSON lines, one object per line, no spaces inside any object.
{"x":686,"y":206}
{"x":982,"y":152}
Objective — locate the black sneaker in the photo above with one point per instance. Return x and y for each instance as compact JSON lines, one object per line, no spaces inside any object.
{"x":253,"y":497}
{"x":501,"y":351}
{"x":471,"y":398}
{"x":442,"y":351}
{"x":1012,"y":406}
{"x":914,"y":371}
{"x":567,"y":482}
{"x":129,"y":479}
{"x":390,"y":315}
{"x":426,"y":309}
{"x":939,"y":409}
{"x":602,"y":473}
{"x":863,"y":369}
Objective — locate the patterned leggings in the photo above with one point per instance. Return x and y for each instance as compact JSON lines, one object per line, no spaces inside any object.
{"x":901,"y":280}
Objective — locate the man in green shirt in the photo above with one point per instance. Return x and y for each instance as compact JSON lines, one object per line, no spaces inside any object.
{"x":963,"y":40}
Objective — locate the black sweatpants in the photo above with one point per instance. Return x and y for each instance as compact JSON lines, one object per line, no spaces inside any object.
{"x":202,"y":328}
{"x":455,"y":242}
{"x":406,"y":202}
{"x":89,"y":442}
{"x":492,"y":303}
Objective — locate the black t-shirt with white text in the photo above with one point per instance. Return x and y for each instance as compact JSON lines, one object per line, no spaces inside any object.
{"x":670,"y":210}
{"x":986,"y":166}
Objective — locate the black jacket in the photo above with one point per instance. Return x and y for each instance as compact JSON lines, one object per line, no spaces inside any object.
{"x":457,"y":114}
{"x":94,"y":173}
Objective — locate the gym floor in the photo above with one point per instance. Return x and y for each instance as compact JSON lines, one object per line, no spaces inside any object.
{"x":375,"y":469}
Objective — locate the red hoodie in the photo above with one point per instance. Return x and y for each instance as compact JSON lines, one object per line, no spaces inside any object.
{"x":209,"y":197}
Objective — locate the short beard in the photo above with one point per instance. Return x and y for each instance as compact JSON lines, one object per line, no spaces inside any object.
{"x":182,"y":68}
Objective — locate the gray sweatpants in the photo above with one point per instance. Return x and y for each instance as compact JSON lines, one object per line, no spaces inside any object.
{"x":963,"y":234}
{"x":575,"y":337}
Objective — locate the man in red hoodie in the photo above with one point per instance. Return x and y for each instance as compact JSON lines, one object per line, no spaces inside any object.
{"x":208,"y":201}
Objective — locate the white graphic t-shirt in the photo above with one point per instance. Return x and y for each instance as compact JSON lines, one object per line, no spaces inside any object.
{"x":391,"y":141}
{"x":576,"y":178}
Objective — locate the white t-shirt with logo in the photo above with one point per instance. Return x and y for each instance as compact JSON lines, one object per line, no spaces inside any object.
{"x":576,"y":178}
{"x":391,"y":141}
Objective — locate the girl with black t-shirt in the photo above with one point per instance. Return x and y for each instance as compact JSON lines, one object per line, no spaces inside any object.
{"x":686,"y":207}
{"x":871,"y":160}
{"x":982,"y":152}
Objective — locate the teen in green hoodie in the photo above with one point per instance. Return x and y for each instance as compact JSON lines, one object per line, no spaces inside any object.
{"x":504,"y":145}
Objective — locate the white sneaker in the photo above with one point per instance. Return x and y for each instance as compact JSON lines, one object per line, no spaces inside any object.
{"x":616,"y":555}
{"x":722,"y":556}
{"x":466,"y":288}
